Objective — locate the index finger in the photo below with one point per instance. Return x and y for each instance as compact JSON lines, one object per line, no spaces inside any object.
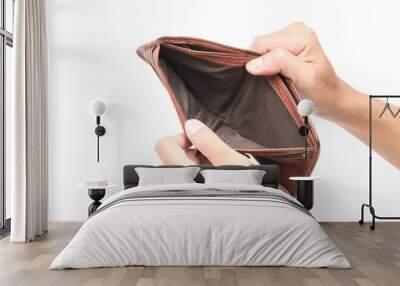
{"x":211,"y":146}
{"x":173,"y":150}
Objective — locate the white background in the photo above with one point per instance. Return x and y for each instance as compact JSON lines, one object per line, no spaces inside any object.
{"x":92,"y":54}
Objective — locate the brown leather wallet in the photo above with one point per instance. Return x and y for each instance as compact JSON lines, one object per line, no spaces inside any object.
{"x":252,"y":114}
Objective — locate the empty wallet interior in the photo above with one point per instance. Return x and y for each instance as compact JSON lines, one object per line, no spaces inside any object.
{"x":253,"y":114}
{"x":244,"y":110}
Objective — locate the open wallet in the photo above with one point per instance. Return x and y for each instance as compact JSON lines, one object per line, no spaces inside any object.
{"x":252,"y":114}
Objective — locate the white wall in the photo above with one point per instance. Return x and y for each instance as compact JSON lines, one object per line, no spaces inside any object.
{"x":92,"y":54}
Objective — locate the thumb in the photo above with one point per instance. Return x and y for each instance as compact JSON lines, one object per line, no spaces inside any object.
{"x":211,"y":146}
{"x":280,"y":61}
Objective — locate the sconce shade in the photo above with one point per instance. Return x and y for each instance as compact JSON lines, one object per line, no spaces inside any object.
{"x":97,"y":107}
{"x":305,"y":107}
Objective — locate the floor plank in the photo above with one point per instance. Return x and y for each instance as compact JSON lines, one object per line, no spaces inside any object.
{"x":375,"y":257}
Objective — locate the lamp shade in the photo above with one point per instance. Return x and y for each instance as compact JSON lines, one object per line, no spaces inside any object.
{"x":97,"y":107}
{"x":305,"y":107}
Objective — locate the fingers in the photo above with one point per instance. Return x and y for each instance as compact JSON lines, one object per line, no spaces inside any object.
{"x":293,"y":38}
{"x":211,"y":146}
{"x":280,"y":61}
{"x":289,"y":52}
{"x":173,"y":150}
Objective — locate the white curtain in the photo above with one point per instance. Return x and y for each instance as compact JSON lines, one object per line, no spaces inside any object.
{"x":28,"y":157}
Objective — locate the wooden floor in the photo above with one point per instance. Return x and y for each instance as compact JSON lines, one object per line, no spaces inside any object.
{"x":375,"y":257}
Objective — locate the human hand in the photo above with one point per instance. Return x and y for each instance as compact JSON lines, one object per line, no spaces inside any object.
{"x":295,"y":52}
{"x":209,"y":148}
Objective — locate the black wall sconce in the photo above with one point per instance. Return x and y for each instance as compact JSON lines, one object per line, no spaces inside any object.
{"x":97,"y":107}
{"x":305,"y":108}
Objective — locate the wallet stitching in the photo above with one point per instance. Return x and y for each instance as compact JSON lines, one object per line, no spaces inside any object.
{"x":191,"y":51}
{"x":200,"y":42}
{"x":289,"y":100}
{"x":204,"y":53}
{"x":215,"y":58}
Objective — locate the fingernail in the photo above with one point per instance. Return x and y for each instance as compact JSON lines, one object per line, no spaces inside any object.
{"x":255,"y":65}
{"x":193,"y":125}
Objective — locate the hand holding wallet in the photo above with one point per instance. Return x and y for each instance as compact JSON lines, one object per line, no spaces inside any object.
{"x":252,"y":114}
